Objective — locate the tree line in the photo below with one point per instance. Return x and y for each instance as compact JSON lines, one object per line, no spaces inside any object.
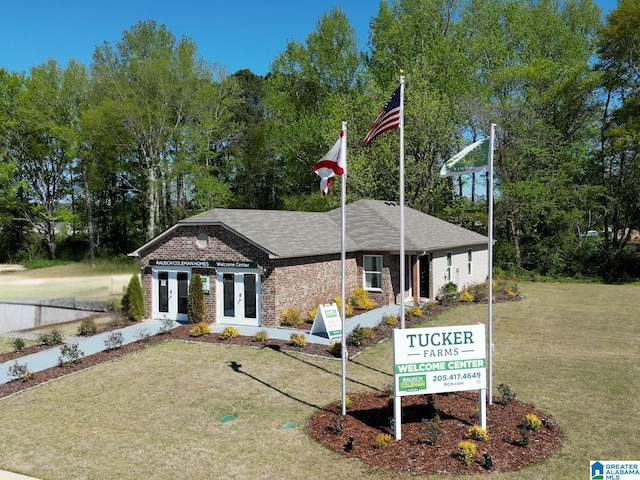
{"x":97,"y":159}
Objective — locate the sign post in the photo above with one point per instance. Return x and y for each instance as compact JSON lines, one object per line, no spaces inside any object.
{"x":436,"y":360}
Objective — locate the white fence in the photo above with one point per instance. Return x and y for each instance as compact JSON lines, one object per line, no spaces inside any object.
{"x":16,"y":316}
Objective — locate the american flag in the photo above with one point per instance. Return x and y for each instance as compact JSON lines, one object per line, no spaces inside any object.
{"x":388,"y":118}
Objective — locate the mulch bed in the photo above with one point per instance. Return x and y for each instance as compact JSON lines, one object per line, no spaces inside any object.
{"x":370,"y":414}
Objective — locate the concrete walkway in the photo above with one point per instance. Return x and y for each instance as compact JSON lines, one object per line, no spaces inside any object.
{"x":49,"y":358}
{"x":39,"y":361}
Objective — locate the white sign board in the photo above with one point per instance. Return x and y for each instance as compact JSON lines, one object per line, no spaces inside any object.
{"x":327,"y":321}
{"x":439,"y":359}
{"x":206,"y":285}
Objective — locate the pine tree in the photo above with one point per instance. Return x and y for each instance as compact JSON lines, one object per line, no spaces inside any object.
{"x":195,"y":301}
{"x":133,"y":300}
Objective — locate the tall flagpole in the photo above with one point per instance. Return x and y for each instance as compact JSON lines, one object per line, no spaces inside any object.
{"x":490,"y":255}
{"x":402,"y":260}
{"x":343,"y":195}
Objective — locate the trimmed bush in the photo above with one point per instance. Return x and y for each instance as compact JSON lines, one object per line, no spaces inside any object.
{"x":228,"y":333}
{"x":261,"y":336}
{"x":200,"y":329}
{"x":360,"y":299}
{"x":18,"y":344}
{"x":348,"y":308}
{"x":448,"y":293}
{"x":69,"y":355}
{"x":335,"y":349}
{"x":195,"y":300}
{"x":532,"y":422}
{"x":466,"y":451}
{"x":477,"y":433}
{"x":20,"y":372}
{"x":413,"y":311}
{"x":298,"y":340}
{"x":356,"y":337}
{"x":133,"y":300}
{"x":87,"y":327}
{"x":382,"y":440}
{"x":50,"y":339}
{"x":113,"y":341}
{"x":291,"y":318}
{"x":390,"y":320}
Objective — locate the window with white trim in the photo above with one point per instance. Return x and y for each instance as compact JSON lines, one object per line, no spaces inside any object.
{"x":469,"y":262}
{"x":372,"y":272}
{"x":449,"y":266}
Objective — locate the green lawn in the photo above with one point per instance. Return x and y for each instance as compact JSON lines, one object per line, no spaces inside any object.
{"x":569,"y":349}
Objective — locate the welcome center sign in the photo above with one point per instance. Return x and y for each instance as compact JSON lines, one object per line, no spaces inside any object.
{"x":439,"y":359}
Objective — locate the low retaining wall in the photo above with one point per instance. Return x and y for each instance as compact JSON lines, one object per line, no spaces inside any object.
{"x":17,"y":316}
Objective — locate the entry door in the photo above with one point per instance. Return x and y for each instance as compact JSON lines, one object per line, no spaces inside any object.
{"x":424,"y":264}
{"x":238,"y":297}
{"x":171,"y":294}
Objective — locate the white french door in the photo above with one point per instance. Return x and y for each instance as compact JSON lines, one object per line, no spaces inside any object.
{"x":170,"y":294}
{"x":238,"y":297}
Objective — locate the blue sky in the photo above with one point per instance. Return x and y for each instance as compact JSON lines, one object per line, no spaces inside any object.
{"x":237,"y":34}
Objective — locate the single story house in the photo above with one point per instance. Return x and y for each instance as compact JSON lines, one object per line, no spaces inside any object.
{"x":255,"y":264}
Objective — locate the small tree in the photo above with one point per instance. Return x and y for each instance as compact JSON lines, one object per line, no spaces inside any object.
{"x":195,"y":301}
{"x":133,"y":301}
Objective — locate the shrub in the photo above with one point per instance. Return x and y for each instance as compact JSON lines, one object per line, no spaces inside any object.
{"x":133,"y":300}
{"x":368,"y":333}
{"x":18,"y":344}
{"x":69,"y":355}
{"x":87,"y":327}
{"x":466,"y":296}
{"x":348,"y":403}
{"x":195,"y":301}
{"x":448,"y":293}
{"x":414,"y":311}
{"x":382,"y":440}
{"x":507,"y":395}
{"x":200,"y":329}
{"x":525,"y":435}
{"x":477,"y":433}
{"x":312,"y":314}
{"x":20,"y":372}
{"x":360,"y":299}
{"x":50,"y":339}
{"x":466,"y":451}
{"x":113,"y":341}
{"x":290,"y":318}
{"x":228,"y":333}
{"x":297,"y":339}
{"x":532,"y":422}
{"x":390,"y":320}
{"x":348,"y":308}
{"x":356,"y":337}
{"x":166,"y":327}
{"x":335,"y":349}
{"x":429,"y":430}
{"x":261,"y":336}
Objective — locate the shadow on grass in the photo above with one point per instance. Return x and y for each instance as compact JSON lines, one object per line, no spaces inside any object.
{"x":237,"y":367}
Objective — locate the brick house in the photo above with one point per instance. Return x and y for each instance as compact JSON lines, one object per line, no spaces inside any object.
{"x":257,"y":263}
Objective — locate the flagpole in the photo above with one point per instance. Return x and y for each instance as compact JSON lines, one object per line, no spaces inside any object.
{"x":343,"y":195}
{"x":402,"y":260}
{"x":490,"y":255}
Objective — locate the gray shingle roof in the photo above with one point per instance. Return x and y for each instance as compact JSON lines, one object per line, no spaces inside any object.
{"x":371,"y":225}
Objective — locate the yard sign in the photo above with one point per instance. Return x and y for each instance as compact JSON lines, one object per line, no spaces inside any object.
{"x":436,"y":360}
{"x":327,"y":321}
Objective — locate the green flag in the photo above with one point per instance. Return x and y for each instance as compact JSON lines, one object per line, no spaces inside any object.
{"x":472,"y":159}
